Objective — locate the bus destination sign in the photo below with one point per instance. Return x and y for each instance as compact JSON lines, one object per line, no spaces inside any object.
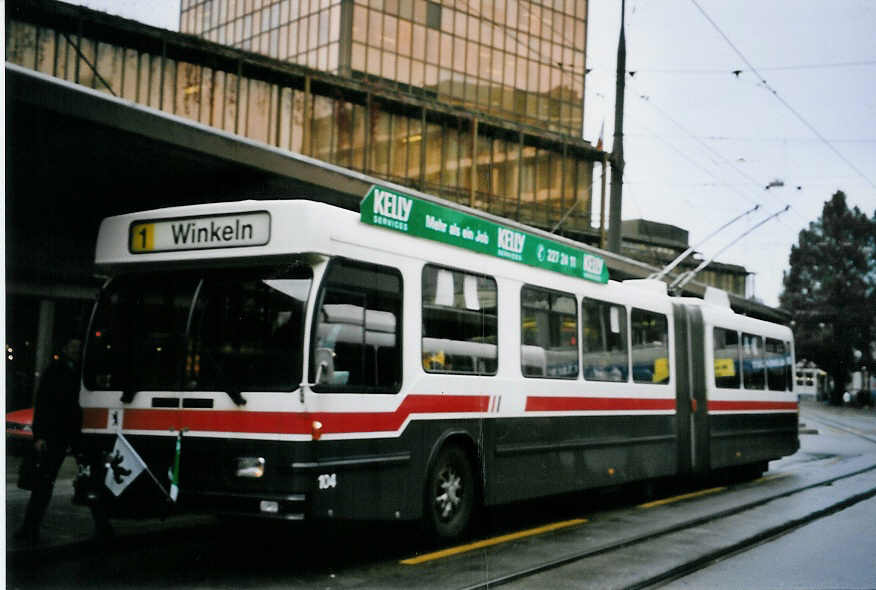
{"x":200,"y":233}
{"x":415,"y":217}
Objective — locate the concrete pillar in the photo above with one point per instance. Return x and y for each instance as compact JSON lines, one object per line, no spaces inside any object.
{"x":45,"y":328}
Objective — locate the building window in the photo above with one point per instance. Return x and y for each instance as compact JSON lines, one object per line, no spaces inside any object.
{"x":433,"y":15}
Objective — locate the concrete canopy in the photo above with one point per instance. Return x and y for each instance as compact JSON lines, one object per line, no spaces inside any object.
{"x":75,"y":156}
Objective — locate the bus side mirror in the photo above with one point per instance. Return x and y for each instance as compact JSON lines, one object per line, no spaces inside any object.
{"x":325,"y":365}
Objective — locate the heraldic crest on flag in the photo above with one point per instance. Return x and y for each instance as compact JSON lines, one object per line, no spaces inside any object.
{"x":124,"y":465}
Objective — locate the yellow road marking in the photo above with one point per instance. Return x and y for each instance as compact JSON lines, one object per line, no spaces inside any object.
{"x":681,"y":497}
{"x":493,"y":541}
{"x":772,"y":477}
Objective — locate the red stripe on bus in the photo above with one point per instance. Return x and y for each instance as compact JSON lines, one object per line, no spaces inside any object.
{"x":748,"y":406}
{"x":208,"y":420}
{"x":289,"y":422}
{"x":594,"y":404}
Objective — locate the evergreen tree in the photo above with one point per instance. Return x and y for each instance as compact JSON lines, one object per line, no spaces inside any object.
{"x":830,"y":291}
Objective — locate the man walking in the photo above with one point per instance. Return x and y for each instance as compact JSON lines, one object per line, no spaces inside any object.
{"x":56,"y":424}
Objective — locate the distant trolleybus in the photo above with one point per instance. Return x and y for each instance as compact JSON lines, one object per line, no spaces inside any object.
{"x":294,"y":360}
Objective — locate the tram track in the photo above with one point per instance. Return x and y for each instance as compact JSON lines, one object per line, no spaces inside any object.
{"x":842,"y":427}
{"x":701,"y":561}
{"x":749,"y":543}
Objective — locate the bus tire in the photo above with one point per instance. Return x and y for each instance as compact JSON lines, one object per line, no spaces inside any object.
{"x":450,"y":494}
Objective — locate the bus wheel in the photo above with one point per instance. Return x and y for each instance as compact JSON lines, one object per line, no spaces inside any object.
{"x":450,"y":494}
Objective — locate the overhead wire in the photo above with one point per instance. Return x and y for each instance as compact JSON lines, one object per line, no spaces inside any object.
{"x":720,"y":157}
{"x":708,"y":148}
{"x":693,"y":162}
{"x":690,"y":159}
{"x":784,"y":102}
{"x":739,"y":71}
{"x":710,"y":173}
{"x":763,"y":139}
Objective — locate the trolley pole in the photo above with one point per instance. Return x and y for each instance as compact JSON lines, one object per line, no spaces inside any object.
{"x":617,"y":150}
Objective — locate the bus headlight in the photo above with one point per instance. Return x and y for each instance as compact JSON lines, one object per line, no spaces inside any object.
{"x":250,"y":467}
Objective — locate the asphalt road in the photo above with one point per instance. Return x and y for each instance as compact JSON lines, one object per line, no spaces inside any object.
{"x":837,"y":552}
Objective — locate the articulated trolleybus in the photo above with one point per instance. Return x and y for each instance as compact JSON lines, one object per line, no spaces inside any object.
{"x":294,"y":360}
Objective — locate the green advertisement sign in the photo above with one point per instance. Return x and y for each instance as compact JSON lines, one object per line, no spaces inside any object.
{"x":415,"y":217}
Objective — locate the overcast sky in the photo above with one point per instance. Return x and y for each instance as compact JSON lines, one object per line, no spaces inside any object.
{"x":702,"y":143}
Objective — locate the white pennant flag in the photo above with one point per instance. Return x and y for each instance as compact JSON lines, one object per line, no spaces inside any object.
{"x":123,"y":466}
{"x":173,"y":472}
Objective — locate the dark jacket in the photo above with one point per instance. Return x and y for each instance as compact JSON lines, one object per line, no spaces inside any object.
{"x":57,"y":416}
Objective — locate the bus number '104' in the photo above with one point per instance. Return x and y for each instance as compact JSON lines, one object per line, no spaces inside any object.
{"x":328,"y":480}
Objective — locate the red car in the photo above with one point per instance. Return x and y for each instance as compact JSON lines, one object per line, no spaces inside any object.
{"x":19,"y":433}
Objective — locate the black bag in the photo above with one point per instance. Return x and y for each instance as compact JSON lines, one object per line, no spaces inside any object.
{"x":28,"y":471}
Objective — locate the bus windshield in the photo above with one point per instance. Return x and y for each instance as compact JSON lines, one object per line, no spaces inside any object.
{"x":231,"y":330}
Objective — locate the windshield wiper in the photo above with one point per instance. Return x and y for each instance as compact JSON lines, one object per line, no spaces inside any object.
{"x":234,"y":394}
{"x":128,"y":394}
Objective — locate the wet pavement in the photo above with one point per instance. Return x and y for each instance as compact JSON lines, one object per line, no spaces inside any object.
{"x":66,"y":526}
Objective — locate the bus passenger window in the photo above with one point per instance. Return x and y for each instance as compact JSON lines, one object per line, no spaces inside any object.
{"x":459,"y":322}
{"x":604,"y":341}
{"x":650,"y":346}
{"x":753,"y":373}
{"x":776,"y":364}
{"x":358,"y":327}
{"x":725,"y":348}
{"x":549,"y":334}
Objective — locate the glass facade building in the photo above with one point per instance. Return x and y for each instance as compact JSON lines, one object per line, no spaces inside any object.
{"x":498,"y":87}
{"x":506,"y":167}
{"x":516,"y":59}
